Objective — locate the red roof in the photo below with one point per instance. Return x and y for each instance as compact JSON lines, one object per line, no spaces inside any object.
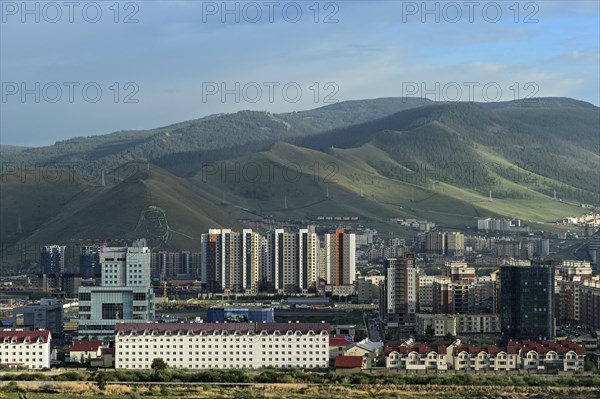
{"x":513,"y":348}
{"x":108,"y":351}
{"x":348,"y":362}
{"x":19,"y":336}
{"x":196,"y":328}
{"x":339,"y":341}
{"x":84,"y":346}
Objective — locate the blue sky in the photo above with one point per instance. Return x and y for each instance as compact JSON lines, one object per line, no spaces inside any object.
{"x":173,"y":59}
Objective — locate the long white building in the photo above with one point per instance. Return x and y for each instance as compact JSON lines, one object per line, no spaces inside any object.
{"x":222,"y":345}
{"x":29,"y":349}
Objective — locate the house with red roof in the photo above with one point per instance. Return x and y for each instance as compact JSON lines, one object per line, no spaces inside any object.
{"x":350,"y":363}
{"x":106,"y":359}
{"x":83,"y":351}
{"x":28,"y":349}
{"x":337,"y":343}
{"x":524,"y":355}
{"x":369,"y":350}
{"x":411,"y":355}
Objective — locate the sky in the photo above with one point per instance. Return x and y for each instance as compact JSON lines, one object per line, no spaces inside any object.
{"x":75,"y":68}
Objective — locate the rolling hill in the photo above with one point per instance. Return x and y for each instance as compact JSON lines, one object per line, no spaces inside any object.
{"x":183,"y":147}
{"x":375,"y":159}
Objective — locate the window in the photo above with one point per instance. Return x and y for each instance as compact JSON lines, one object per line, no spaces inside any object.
{"x":85,"y":296}
{"x":112,"y":311}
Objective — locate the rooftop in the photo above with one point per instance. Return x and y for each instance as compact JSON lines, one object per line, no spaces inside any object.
{"x":191,"y":328}
{"x":346,"y":362}
{"x":84,"y":346}
{"x":19,"y":336}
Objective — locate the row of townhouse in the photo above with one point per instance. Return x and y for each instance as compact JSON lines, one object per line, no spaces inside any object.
{"x":25,"y":349}
{"x":222,"y":345}
{"x":524,"y":355}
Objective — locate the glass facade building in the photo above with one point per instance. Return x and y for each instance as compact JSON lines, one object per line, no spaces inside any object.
{"x":124,"y":296}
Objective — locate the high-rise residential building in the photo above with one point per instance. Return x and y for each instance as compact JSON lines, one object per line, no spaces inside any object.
{"x":52,"y":259}
{"x":291,"y":261}
{"x":125,"y":294}
{"x":426,"y":292}
{"x":435,"y":243}
{"x":251,"y":260}
{"x":455,"y":244}
{"x":442,"y":295}
{"x":590,"y":303}
{"x":308,"y":259}
{"x":399,"y":299}
{"x":272,"y":261}
{"x":280,"y":261}
{"x":231,"y":261}
{"x":340,"y":257}
{"x":571,"y":268}
{"x":459,"y":272}
{"x":527,"y":301}
{"x":594,"y":252}
{"x":89,"y":262}
{"x":568,"y":284}
{"x":168,"y":265}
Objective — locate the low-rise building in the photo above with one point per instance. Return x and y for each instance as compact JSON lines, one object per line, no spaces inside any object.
{"x":479,"y":323}
{"x":443,"y":324}
{"x":410,"y":355}
{"x":368,"y":288}
{"x":222,"y":345}
{"x":439,"y":324}
{"x":106,"y":359}
{"x":340,"y":290}
{"x":369,"y":350}
{"x":84,"y":351}
{"x":45,"y":315}
{"x":350,"y":363}
{"x":337,"y":343}
{"x":525,"y":355}
{"x":30,"y":349}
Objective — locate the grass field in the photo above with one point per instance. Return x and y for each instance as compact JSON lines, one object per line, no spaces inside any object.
{"x":302,"y":391}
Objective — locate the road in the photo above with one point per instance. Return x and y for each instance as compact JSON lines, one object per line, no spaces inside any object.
{"x":374,"y":326}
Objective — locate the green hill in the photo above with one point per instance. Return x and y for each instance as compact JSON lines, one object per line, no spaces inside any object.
{"x":553,"y":146}
{"x":135,"y":202}
{"x":437,"y":162}
{"x":183,"y":147}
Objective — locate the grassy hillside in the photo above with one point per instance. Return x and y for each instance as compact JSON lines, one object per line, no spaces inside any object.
{"x":437,"y":162}
{"x":555,"y":146}
{"x":134,"y":203}
{"x":348,"y":182}
{"x":184,"y":147}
